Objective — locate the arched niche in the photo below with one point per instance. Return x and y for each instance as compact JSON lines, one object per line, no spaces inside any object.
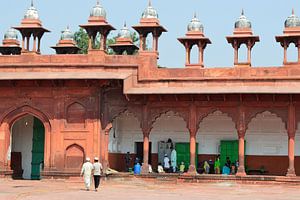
{"x":74,"y":157}
{"x":76,"y":114}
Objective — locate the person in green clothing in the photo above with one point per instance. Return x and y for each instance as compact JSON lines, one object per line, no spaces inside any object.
{"x":217,"y":165}
{"x":182,"y":167}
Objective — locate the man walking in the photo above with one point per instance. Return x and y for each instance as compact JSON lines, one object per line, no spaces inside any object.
{"x":86,"y":171}
{"x":97,"y":172}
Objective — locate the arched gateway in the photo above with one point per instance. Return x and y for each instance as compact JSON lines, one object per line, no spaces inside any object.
{"x":27,"y":141}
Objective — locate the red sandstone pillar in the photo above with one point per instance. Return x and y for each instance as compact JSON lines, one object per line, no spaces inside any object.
{"x":291,"y":140}
{"x":34,"y":44}
{"x":23,"y":43}
{"x":200,"y":62}
{"x":145,"y":167}
{"x":298,"y":51}
{"x":90,"y":43}
{"x":249,"y":52}
{"x":236,"y":52}
{"x":192,"y":167}
{"x":291,"y":146}
{"x":285,"y":52}
{"x":187,"y":53}
{"x":28,"y":40}
{"x":39,"y":45}
{"x":106,"y":139}
{"x":241,"y":168}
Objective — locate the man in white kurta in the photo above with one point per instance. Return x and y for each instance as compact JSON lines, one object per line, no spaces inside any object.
{"x":86,"y":171}
{"x":173,"y":160}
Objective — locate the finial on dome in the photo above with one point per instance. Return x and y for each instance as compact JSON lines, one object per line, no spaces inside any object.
{"x":98,"y":2}
{"x":195,"y":15}
{"x":243,"y":13}
{"x":125,"y":24}
{"x":31,"y":3}
{"x":149,"y":3}
{"x":293,"y":11}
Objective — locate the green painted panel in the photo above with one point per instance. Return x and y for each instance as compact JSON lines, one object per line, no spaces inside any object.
{"x":229,"y":148}
{"x":38,"y":143}
{"x":183,"y":154}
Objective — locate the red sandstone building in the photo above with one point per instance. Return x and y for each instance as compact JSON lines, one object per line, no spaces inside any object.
{"x":58,"y":109}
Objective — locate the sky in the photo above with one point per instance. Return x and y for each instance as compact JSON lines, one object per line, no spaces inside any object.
{"x":217,"y":16}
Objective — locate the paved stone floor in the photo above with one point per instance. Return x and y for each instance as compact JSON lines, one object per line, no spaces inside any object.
{"x":133,"y":190}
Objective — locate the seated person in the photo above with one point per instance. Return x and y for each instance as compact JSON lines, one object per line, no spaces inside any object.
{"x":233,"y":168}
{"x":228,"y":162}
{"x":160,"y":169}
{"x":182,"y":167}
{"x":137,"y":169}
{"x":150,"y":169}
{"x":211,"y":166}
{"x":206,"y":167}
{"x":225,"y":170}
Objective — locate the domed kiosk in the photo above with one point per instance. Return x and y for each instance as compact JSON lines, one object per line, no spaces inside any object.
{"x":31,"y":26}
{"x":66,"y":44}
{"x":124,"y":42}
{"x":149,"y":23}
{"x":10,"y":44}
{"x":194,"y":36}
{"x":242,"y":34}
{"x":97,"y":24}
{"x":291,"y":34}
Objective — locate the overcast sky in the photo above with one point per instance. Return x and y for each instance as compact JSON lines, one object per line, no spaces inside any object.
{"x":218,"y":17}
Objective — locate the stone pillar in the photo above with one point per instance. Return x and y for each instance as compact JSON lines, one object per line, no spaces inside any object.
{"x":39,"y":45}
{"x":187,"y":53}
{"x":34,"y":44}
{"x":298,"y":46}
{"x":145,"y":166}
{"x":285,"y":46}
{"x":106,"y":142}
{"x":141,"y":42}
{"x":241,"y":168}
{"x":192,"y":167}
{"x":200,"y":46}
{"x":236,"y":52}
{"x":249,"y":46}
{"x":241,"y":130}
{"x":23,"y":42}
{"x":291,"y":146}
{"x":28,"y":41}
{"x":90,"y":43}
{"x":291,"y":139}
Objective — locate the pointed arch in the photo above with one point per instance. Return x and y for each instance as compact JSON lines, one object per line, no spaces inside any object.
{"x":74,"y":156}
{"x":9,"y":117}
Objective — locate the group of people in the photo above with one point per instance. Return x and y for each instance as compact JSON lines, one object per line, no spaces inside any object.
{"x":88,"y":170}
{"x":170,"y":164}
{"x":214,"y":167}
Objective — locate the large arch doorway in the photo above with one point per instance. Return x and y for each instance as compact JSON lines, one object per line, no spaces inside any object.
{"x":267,"y":146}
{"x":217,"y":135}
{"x":27,"y":147}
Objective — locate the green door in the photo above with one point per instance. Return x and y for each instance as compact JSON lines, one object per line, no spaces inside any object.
{"x":38,"y":141}
{"x":229,"y":148}
{"x":183,"y":154}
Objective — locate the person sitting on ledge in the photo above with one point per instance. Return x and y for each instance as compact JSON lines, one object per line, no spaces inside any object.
{"x":160,"y":169}
{"x":181,"y":167}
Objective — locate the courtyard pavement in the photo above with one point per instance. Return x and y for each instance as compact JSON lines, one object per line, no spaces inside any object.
{"x":142,"y":190}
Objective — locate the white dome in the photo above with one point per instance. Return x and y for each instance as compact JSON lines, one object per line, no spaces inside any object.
{"x":31,"y":13}
{"x":98,"y":11}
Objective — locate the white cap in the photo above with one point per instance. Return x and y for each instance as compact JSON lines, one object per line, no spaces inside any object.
{"x":88,"y":159}
{"x":96,"y":158}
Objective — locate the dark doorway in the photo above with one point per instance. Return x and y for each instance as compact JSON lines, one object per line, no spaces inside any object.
{"x":139,"y":150}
